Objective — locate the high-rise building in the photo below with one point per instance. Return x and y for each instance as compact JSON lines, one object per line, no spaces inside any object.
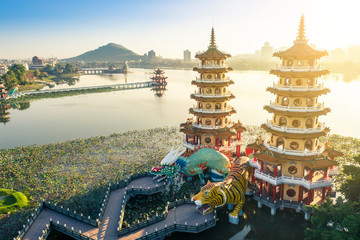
{"x":266,"y":50}
{"x":211,"y":125}
{"x":292,"y":168}
{"x":187,"y":56}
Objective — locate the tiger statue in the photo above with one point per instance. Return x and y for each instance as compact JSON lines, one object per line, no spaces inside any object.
{"x":230,"y":191}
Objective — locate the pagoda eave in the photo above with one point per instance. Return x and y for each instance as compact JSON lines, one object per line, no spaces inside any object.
{"x":294,"y":93}
{"x":212,"y":70}
{"x":296,"y":135}
{"x":207,"y":99}
{"x":300,"y":74}
{"x":213,"y":115}
{"x":298,"y":113}
{"x":212,"y":84}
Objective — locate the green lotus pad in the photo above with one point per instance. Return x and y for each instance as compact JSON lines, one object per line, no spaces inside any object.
{"x":12,"y":201}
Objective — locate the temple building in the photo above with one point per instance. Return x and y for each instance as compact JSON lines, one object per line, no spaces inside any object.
{"x":292,"y":168}
{"x":160,"y":81}
{"x":211,"y":124}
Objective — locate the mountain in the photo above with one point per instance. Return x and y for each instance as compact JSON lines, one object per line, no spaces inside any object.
{"x":109,"y":52}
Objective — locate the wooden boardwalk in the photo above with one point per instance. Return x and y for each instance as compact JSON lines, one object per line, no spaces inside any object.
{"x":185,"y":215}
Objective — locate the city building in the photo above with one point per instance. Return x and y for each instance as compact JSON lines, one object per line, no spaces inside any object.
{"x":37,"y":63}
{"x":266,"y":50}
{"x":187,"y":56}
{"x":292,"y":168}
{"x":211,"y":124}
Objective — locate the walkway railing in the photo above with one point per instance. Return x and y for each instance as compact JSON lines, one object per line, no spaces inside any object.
{"x":298,"y":68}
{"x":293,"y":152}
{"x":318,"y":107}
{"x":295,"y":130}
{"x":299,"y":88}
{"x":223,"y":110}
{"x":217,"y":95}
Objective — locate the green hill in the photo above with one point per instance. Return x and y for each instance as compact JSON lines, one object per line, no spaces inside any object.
{"x":109,"y":52}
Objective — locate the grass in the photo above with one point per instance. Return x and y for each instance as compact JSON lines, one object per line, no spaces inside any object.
{"x":13,"y":201}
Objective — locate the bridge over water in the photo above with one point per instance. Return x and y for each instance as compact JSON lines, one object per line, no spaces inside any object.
{"x":182,"y":217}
{"x":121,"y":86}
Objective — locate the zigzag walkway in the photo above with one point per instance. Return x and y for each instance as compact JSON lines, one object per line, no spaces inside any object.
{"x":180,"y":218}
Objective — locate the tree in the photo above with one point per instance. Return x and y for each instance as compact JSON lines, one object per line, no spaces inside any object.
{"x":69,"y":68}
{"x":10,"y":80}
{"x":48,"y":69}
{"x":350,"y":186}
{"x":334,"y":221}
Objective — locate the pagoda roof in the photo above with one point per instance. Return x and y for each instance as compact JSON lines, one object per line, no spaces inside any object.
{"x":300,"y":74}
{"x":296,"y":135}
{"x":188,"y":128}
{"x":212,"y":52}
{"x":211,"y":99}
{"x":213,"y":70}
{"x":239,"y":126}
{"x":297,"y":114}
{"x":212,"y":114}
{"x":212,"y":84}
{"x":300,"y":49}
{"x":293,"y":93}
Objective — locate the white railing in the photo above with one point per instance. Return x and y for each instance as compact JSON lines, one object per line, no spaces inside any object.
{"x":189,"y":145}
{"x":298,"y":68}
{"x":317,"y":107}
{"x":253,"y":163}
{"x":212,"y":66}
{"x":218,"y":95}
{"x":293,"y":152}
{"x":201,"y":110}
{"x":299,"y":88}
{"x":293,"y":180}
{"x":295,"y":130}
{"x":212,"y":80}
{"x":210,"y":126}
{"x":232,"y":146}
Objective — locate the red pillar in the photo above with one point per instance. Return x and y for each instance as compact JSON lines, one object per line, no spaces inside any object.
{"x":300,"y":194}
{"x":229,"y":141}
{"x":187,"y":138}
{"x":274,"y":193}
{"x":194,"y":140}
{"x":310,"y":175}
{"x":253,"y":175}
{"x":262,"y":166}
{"x":323,"y":194}
{"x":275,"y":171}
{"x":239,"y":135}
{"x":309,"y":196}
{"x":282,"y":191}
{"x":325,"y":173}
{"x":217,"y":142}
{"x":261,"y":183}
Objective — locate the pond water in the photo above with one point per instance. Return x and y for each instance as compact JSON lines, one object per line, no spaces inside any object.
{"x":51,"y":120}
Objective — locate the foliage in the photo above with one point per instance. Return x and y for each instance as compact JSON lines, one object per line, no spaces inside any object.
{"x":15,"y":75}
{"x":335,"y":221}
{"x":351,"y":183}
{"x":13,"y":200}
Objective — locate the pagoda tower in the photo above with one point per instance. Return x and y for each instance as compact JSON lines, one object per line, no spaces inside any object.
{"x":292,"y":168}
{"x":211,"y":125}
{"x":160,"y":81}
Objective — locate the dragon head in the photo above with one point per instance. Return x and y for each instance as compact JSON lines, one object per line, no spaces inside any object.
{"x":168,"y":166}
{"x":210,"y":197}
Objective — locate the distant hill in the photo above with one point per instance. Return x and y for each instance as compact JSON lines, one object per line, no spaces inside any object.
{"x":109,"y":52}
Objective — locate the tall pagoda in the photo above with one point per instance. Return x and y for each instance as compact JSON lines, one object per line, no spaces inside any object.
{"x":211,"y":125}
{"x":160,"y":82}
{"x":292,"y":168}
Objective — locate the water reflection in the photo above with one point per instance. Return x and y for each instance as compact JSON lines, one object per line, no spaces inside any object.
{"x":5,"y":107}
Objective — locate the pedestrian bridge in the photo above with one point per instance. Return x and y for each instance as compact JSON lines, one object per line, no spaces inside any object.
{"x":181,"y":216}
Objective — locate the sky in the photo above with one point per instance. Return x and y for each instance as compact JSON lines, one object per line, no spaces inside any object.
{"x":68,"y":28}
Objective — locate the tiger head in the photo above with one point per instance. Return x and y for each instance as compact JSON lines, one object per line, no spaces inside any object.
{"x":208,"y":198}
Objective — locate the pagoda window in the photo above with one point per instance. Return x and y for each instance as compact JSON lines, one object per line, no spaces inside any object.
{"x":294,"y":145}
{"x":209,"y":76}
{"x":297,"y":102}
{"x":218,"y":122}
{"x":299,"y":82}
{"x":208,"y":140}
{"x":200,"y":105}
{"x":274,"y":118}
{"x":309,"y":123}
{"x":223,"y":75}
{"x":272,"y":138}
{"x":310,"y":82}
{"x":277,"y":99}
{"x":217,"y":91}
{"x":208,"y":122}
{"x":209,"y":63}
{"x":199,"y":120}
{"x":201,"y":90}
{"x":300,"y":63}
{"x":225,"y":105}
{"x":208,"y":106}
{"x":282,"y":122}
{"x":290,"y":193}
{"x":309,"y":144}
{"x":202,"y":76}
{"x":287,"y":82}
{"x":317,"y":120}
{"x":217,"y":62}
{"x":217,"y":106}
{"x":208,"y":91}
{"x":280,"y":143}
{"x":289,"y":63}
{"x":309,"y":102}
{"x":202,"y":62}
{"x":296,"y":123}
{"x":292,"y":170}
{"x":312,"y":62}
{"x":217,"y":76}
{"x":285,"y":101}
{"x":226,"y":120}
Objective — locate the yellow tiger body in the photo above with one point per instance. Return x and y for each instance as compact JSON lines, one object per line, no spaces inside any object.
{"x":230,"y":191}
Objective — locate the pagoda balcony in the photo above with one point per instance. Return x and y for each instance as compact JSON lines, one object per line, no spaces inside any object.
{"x":212,"y":80}
{"x":293,"y":152}
{"x":217,"y":95}
{"x":298,"y":68}
{"x":189,"y":145}
{"x":201,"y":110}
{"x":293,"y":180}
{"x":318,"y":129}
{"x":212,"y":66}
{"x":316,"y":108}
{"x":210,"y":127}
{"x":299,"y":88}
{"x":232,"y":147}
{"x":253,"y":163}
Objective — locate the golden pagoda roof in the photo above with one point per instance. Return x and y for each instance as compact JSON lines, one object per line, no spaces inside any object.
{"x":212,"y":52}
{"x":296,"y":135}
{"x":300,"y":74}
{"x":212,"y":84}
{"x":212,"y":114}
{"x":239,"y":126}
{"x":293,"y":93}
{"x":211,"y":99}
{"x":297,"y":114}
{"x":300,"y":49}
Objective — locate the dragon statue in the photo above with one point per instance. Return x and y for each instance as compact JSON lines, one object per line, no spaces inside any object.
{"x":194,"y":164}
{"x":230,"y":191}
